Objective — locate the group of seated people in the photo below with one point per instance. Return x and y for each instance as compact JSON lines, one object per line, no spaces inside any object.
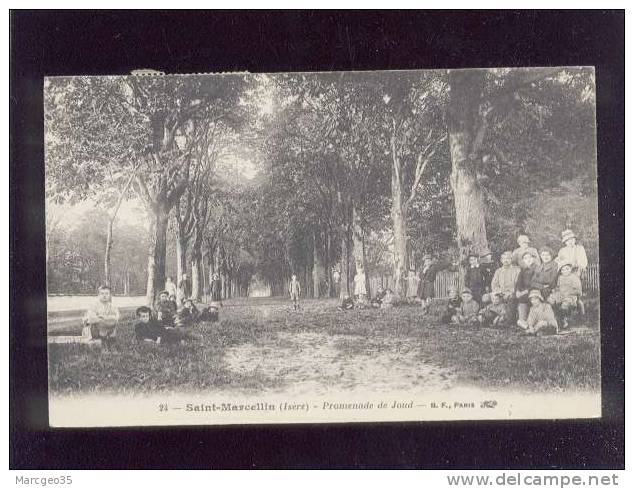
{"x":165,"y":324}
{"x":533,"y":289}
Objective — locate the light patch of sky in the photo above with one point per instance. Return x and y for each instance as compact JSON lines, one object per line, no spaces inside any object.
{"x":131,"y":212}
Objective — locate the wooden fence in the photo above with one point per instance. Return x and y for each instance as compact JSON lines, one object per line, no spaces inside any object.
{"x":446,"y":280}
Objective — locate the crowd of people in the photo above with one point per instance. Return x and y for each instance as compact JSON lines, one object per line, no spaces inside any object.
{"x":532,"y":288}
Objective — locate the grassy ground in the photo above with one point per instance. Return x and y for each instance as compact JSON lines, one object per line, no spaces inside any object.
{"x":263,"y":344}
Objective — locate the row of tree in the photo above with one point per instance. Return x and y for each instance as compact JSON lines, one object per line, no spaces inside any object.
{"x":356,"y":170}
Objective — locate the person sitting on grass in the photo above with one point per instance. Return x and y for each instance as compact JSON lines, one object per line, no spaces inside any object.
{"x":545,"y":277}
{"x":541,"y":318}
{"x":452,"y":306}
{"x":165,"y":310}
{"x":188,"y":315}
{"x":388,"y":299}
{"x":347,"y":303}
{"x":565,"y":297}
{"x":378,"y":298}
{"x":102,"y":318}
{"x":148,"y":329}
{"x":210,"y":314}
{"x":494,"y":315}
{"x":523,"y":285}
{"x":467,"y":313}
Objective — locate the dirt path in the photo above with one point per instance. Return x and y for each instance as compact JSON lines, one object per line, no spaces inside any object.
{"x":318,"y":363}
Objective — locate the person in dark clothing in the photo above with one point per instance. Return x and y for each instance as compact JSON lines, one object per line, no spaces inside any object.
{"x":488,"y":269}
{"x":523,"y":285}
{"x":149,"y":329}
{"x":210,"y":314}
{"x":188,"y":315}
{"x":378,"y":298}
{"x":427,"y":280}
{"x":165,"y":310}
{"x":545,"y":277}
{"x":184,"y":288}
{"x":452,"y":306}
{"x":474,"y":278}
{"x":347,"y":303}
{"x":216,"y":288}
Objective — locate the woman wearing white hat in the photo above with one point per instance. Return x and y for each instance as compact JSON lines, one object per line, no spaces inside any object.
{"x":572,"y":253}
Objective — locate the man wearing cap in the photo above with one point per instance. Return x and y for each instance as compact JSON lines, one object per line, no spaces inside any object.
{"x":572,"y":252}
{"x":467,"y":313}
{"x":505,"y":277}
{"x":518,"y":254}
{"x":541,"y":318}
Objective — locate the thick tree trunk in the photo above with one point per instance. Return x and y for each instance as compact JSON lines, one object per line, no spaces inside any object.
{"x":467,"y":126}
{"x":319,"y":271}
{"x":156,"y":254}
{"x":181,"y":255}
{"x":359,"y":253}
{"x":327,"y":266}
{"x":196,"y":264}
{"x":346,"y":265}
{"x":196,"y":278}
{"x":399,"y":223}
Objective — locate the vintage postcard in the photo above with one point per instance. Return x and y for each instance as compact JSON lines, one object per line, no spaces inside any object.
{"x":322,"y":247}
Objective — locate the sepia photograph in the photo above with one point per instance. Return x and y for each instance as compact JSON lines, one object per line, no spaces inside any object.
{"x":237,"y":248}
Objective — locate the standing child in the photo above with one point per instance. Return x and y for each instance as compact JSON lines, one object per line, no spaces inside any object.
{"x":541,"y":318}
{"x":467,"y":313}
{"x":427,"y":281}
{"x":360,"y":291}
{"x":170,"y":288}
{"x":295,"y":290}
{"x":216,"y":288}
{"x":566,"y":296}
{"x":474,"y":277}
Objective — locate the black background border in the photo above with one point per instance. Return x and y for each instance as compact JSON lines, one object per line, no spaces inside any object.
{"x":45,"y":43}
